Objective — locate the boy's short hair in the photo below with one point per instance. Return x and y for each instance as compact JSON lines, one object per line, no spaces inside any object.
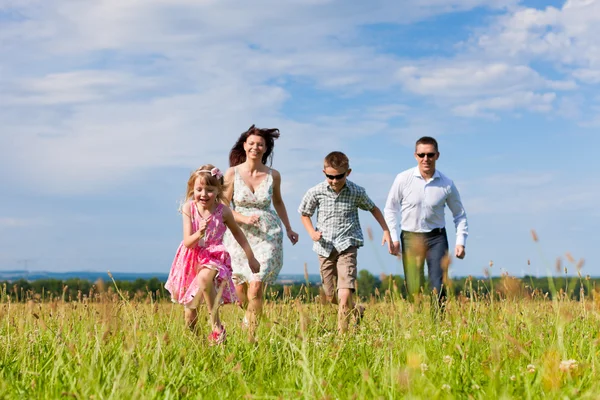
{"x":336,"y":160}
{"x":427,"y":140}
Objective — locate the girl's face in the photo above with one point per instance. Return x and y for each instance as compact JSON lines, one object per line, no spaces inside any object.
{"x":204,"y":194}
{"x":255,"y":147}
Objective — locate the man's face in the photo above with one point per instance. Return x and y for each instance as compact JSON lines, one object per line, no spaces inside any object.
{"x":426,"y":156}
{"x":336,"y":178}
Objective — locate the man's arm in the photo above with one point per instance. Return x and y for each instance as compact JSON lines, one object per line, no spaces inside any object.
{"x":460,"y":221}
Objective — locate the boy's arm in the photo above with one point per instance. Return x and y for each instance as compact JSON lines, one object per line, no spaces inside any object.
{"x":386,"y":232}
{"x":307,"y":208}
{"x":308,"y":225}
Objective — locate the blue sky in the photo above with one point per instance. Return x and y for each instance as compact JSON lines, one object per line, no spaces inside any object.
{"x":106,"y":106}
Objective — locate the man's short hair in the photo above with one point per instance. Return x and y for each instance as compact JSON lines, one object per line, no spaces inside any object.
{"x":427,"y":140}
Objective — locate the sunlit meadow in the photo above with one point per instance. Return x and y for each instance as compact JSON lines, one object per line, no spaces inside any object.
{"x":106,"y":347}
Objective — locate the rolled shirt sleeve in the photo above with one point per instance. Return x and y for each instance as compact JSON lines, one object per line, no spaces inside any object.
{"x":459,"y":214}
{"x":392,"y":210}
{"x":309,"y":204}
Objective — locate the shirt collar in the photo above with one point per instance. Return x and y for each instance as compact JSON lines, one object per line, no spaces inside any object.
{"x":417,"y":173}
{"x":330,"y":189}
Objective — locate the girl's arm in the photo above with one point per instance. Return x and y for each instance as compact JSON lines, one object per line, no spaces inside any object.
{"x":239,"y":218}
{"x":280,"y":207}
{"x":190,"y":240}
{"x":239,"y":236}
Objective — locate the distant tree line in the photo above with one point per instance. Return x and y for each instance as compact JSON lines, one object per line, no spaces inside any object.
{"x":368,"y":285}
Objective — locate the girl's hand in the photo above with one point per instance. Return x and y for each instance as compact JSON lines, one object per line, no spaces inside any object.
{"x":202,"y":227}
{"x":254,"y":265}
{"x":293,"y":236}
{"x":252,"y":220}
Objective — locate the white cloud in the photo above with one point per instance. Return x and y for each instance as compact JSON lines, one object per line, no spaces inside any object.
{"x":95,"y":93}
{"x":567,"y":35}
{"x":515,"y":101}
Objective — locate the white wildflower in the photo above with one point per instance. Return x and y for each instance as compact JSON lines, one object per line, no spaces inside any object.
{"x":567,"y":365}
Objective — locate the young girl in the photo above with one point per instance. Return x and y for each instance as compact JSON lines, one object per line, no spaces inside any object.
{"x":202,"y":265}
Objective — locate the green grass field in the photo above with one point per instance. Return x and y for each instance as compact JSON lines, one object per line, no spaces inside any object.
{"x":481,"y":349}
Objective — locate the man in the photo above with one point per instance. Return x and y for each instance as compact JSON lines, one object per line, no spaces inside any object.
{"x":418,"y":196}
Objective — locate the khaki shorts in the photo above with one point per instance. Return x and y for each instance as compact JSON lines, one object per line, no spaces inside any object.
{"x":338,"y":271}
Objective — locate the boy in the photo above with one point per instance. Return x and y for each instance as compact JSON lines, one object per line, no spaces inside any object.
{"x":338,"y":234}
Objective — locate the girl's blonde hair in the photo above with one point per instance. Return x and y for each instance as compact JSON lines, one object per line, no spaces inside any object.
{"x":204,"y":173}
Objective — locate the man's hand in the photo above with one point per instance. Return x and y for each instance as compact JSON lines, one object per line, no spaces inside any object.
{"x":459,"y":251}
{"x":395,"y":249}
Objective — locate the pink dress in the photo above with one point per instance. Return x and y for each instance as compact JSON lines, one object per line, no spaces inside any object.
{"x":182,"y":282}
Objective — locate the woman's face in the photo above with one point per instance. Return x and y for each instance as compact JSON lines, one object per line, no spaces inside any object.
{"x":255,"y":147}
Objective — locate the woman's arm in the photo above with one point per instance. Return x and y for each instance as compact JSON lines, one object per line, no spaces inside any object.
{"x":280,"y":207}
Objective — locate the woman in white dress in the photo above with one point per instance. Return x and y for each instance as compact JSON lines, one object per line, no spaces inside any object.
{"x":251,"y":187}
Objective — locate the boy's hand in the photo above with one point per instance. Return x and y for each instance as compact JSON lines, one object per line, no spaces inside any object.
{"x":316,"y":236}
{"x":254,"y":265}
{"x":387,"y":239}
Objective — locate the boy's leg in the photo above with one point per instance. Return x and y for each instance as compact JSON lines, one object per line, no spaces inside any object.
{"x":413,"y":261}
{"x":437,"y":252}
{"x":347,"y":271}
{"x":329,"y":275}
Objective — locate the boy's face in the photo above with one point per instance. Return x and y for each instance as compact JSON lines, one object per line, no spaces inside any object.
{"x":336,"y":178}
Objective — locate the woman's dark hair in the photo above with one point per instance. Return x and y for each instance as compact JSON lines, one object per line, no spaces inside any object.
{"x":237,"y":155}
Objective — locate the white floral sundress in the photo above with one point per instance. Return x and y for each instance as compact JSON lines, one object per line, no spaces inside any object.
{"x":266,"y":238}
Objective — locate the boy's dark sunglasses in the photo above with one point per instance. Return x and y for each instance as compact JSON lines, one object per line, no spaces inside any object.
{"x":430,"y":155}
{"x":338,"y":177}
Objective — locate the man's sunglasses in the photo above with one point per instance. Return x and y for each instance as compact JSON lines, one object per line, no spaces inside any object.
{"x":338,"y":177}
{"x":422,"y":155}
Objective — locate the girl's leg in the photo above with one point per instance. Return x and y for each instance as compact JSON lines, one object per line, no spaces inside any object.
{"x":206,"y":278}
{"x":190,"y":316}
{"x":255,"y":304}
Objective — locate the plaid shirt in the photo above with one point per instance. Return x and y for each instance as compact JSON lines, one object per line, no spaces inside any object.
{"x":337,"y":215}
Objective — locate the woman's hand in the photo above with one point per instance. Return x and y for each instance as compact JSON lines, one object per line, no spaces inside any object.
{"x":293,"y":236}
{"x":252,"y":220}
{"x":254,"y":265}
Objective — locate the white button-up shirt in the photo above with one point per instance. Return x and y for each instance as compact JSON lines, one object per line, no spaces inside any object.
{"x":421,"y":204}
